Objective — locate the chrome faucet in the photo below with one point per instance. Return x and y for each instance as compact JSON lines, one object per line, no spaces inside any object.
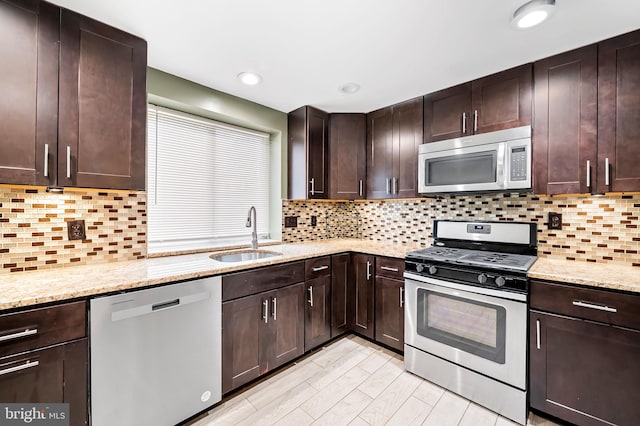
{"x":254,"y":234}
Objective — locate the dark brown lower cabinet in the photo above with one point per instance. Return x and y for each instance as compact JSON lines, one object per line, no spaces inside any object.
{"x":362,"y":279}
{"x":341,"y":309}
{"x":584,"y":372}
{"x":261,"y":332}
{"x":317,"y":325}
{"x":389,"y":317}
{"x":56,"y":374}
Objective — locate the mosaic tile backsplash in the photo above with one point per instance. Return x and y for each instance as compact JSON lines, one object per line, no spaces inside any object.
{"x":595,"y":229}
{"x":34,"y":231}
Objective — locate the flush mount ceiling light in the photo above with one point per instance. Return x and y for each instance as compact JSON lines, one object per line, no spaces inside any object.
{"x":532,"y":13}
{"x":349,"y":88}
{"x":250,"y":78}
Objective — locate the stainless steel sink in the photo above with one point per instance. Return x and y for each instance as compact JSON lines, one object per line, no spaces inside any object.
{"x":244,"y":255}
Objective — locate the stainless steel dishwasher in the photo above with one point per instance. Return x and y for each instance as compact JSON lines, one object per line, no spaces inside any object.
{"x":156,"y":354}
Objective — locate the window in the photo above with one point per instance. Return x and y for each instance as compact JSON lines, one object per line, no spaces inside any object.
{"x":202,"y":178}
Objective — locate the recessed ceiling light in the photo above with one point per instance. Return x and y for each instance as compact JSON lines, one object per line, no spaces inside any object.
{"x":250,"y":78}
{"x":349,"y":88}
{"x":532,"y":13}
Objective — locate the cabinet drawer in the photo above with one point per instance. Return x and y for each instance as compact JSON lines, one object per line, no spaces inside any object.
{"x":390,"y":268}
{"x":318,"y":267}
{"x":592,"y":304}
{"x":23,"y":331}
{"x":263,"y":279}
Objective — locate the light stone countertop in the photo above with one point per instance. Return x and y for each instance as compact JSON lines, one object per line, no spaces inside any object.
{"x":605,"y":276}
{"x":51,"y":285}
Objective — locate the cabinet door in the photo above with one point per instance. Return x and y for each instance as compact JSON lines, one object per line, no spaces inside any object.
{"x":347,"y":156}
{"x":501,"y":101}
{"x":390,"y":312}
{"x":341,"y":295}
{"x":584,"y":372}
{"x":102,"y":105}
{"x":619,"y":113}
{"x":243,"y":339}
{"x":317,"y":149}
{"x":407,"y":136}
{"x":379,"y":154}
{"x":362,"y":270}
{"x":317,"y":325}
{"x":29,"y":33}
{"x":285,"y":340}
{"x":447,"y":113}
{"x":566,"y":122}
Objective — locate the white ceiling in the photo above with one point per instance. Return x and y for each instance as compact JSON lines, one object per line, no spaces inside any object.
{"x":306,"y":49}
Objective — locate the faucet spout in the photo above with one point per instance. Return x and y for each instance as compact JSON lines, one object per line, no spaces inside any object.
{"x":252,"y":221}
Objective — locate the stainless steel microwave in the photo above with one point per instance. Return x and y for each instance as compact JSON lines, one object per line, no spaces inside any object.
{"x":496,"y":161}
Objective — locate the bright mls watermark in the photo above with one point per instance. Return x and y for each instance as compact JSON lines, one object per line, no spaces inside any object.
{"x":34,"y":414}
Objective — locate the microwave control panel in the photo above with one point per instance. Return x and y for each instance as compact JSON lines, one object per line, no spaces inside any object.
{"x":519,"y":163}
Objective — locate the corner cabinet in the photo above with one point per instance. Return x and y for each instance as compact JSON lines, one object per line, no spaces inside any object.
{"x":341,"y":294}
{"x":363,"y":281}
{"x":347,"y":156}
{"x":59,"y":129}
{"x":393,"y":136}
{"x":308,"y":130}
{"x":584,"y":351}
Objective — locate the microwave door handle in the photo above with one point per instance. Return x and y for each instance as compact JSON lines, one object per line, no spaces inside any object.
{"x":502,"y":179}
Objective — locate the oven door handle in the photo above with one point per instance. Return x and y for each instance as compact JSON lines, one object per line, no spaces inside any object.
{"x":507,"y":295}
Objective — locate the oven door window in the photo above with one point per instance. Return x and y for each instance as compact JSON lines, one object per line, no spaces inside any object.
{"x":463,"y":169}
{"x":471,"y":326}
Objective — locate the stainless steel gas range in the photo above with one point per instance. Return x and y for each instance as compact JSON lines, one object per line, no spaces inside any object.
{"x":466,"y":312}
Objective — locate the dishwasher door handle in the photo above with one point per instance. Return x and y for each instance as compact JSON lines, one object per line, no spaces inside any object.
{"x":158,"y":307}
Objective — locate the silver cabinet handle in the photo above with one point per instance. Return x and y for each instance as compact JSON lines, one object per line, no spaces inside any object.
{"x":395,"y":185}
{"x":368,"y":270}
{"x":464,"y":123}
{"x":606,"y":171}
{"x":320,"y":268}
{"x":311,"y":296}
{"x":68,"y":162}
{"x":537,"y":334}
{"x":265,"y":314}
{"x":386,"y":268}
{"x":594,"y":306}
{"x":313,"y":186}
{"x":361,"y":188}
{"x":475,"y":120}
{"x":25,"y":333}
{"x":46,"y":160}
{"x":28,"y":364}
{"x":401,"y":297}
{"x":275,"y":308}
{"x":588,"y":174}
{"x":388,"y":186}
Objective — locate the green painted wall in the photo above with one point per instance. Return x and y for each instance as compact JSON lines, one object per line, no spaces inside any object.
{"x":177,"y":93}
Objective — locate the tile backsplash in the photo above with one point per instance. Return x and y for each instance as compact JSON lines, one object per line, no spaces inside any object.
{"x":595,"y":229}
{"x":34,"y":230}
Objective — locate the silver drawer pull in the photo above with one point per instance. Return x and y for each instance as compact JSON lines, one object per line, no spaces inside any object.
{"x":311,"y":296}
{"x":401,"y":297}
{"x":27,"y":332}
{"x":275,"y":309}
{"x":386,"y":268}
{"x":265,"y":309}
{"x":464,"y":123}
{"x":320,"y":268}
{"x":24,"y":366}
{"x":594,"y":306}
{"x":368,"y":270}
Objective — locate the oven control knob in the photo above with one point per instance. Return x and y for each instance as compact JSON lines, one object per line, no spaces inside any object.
{"x":432,"y":269}
{"x":500,"y":281}
{"x":419,"y":268}
{"x":482,"y":278}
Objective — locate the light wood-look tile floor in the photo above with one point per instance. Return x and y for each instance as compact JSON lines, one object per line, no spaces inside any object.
{"x":351,"y":382}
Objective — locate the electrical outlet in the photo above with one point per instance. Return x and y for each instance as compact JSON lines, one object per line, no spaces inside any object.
{"x":555,"y":221}
{"x":75,"y":230}
{"x":314,"y":221}
{"x":291,"y":221}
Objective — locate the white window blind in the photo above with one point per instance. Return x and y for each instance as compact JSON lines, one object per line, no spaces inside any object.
{"x":203,"y":176}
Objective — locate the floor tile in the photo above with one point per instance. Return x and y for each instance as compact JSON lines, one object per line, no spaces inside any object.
{"x":412,"y":412}
{"x":346,"y":410}
{"x":478,"y":416}
{"x":383,"y":377}
{"x":334,"y":392}
{"x":228,"y":413}
{"x":448,"y":411}
{"x":374,"y":361}
{"x":295,"y":418}
{"x":428,"y":392}
{"x":335,"y":370}
{"x":391,"y":398}
{"x":280,"y":407}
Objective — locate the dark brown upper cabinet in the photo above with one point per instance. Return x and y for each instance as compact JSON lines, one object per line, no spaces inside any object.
{"x":347,"y":156}
{"x":565,"y":123}
{"x":308,"y":130}
{"x":496,"y":102}
{"x":619,"y":114}
{"x":59,"y":129}
{"x":393,"y":136}
{"x":103,"y":74}
{"x":29,"y":36}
